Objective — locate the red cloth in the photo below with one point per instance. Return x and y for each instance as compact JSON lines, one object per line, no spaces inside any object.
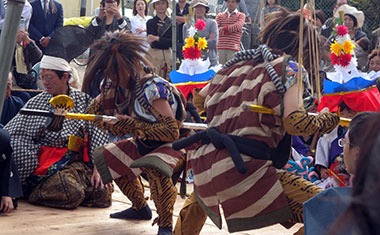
{"x":86,"y":148}
{"x":187,"y":89}
{"x":48,"y":156}
{"x":367,"y":100}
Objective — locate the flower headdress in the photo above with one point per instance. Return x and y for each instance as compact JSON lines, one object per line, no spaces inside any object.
{"x":193,"y":43}
{"x":193,"y":72}
{"x":342,"y":50}
{"x":347,"y":84}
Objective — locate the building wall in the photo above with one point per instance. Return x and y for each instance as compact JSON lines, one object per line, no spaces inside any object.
{"x":72,"y":8}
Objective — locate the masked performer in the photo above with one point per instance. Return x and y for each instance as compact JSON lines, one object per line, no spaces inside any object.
{"x":150,"y":109}
{"x":235,"y":168}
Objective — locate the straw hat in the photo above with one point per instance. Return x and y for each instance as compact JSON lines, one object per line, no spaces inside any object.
{"x":349,"y":10}
{"x":204,"y":3}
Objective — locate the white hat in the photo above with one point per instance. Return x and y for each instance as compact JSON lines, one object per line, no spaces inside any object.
{"x":204,"y":3}
{"x":152,"y":10}
{"x":349,"y":10}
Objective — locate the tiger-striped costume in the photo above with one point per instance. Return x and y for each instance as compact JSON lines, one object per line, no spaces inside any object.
{"x":149,"y":152}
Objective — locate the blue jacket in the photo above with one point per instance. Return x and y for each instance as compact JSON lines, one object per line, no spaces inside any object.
{"x":12,"y":105}
{"x":43,"y":27}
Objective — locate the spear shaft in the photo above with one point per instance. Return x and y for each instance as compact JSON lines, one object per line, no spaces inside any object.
{"x":8,"y":43}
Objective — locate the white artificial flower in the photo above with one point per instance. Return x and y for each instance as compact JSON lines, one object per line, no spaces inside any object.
{"x":192,"y":30}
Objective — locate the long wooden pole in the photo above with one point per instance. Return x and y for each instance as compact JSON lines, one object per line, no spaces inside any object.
{"x":174,"y":36}
{"x":8,"y":43}
{"x":265,"y":110}
{"x":300,"y":56}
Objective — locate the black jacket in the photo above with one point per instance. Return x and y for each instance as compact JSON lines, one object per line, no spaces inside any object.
{"x":10,"y":184}
{"x":161,"y":28}
{"x":99,"y":28}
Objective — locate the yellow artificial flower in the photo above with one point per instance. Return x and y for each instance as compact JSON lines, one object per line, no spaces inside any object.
{"x":336,"y":48}
{"x":348,"y":47}
{"x":189,"y":42}
{"x":202,"y":43}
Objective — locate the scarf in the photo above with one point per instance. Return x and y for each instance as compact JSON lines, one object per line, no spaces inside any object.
{"x":20,"y":60}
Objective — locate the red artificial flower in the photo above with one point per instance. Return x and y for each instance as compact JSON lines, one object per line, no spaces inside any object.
{"x":342,"y":60}
{"x":342,"y":30}
{"x":200,"y":24}
{"x":191,"y":53}
{"x":345,"y":59}
{"x":334,"y":59}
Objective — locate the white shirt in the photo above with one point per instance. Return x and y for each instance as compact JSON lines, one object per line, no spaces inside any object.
{"x":27,"y":13}
{"x":229,"y":14}
{"x":43,"y":2}
{"x":323,"y":148}
{"x":138,"y":22}
{"x":2,"y":14}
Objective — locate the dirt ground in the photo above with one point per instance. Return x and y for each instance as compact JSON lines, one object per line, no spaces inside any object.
{"x":36,"y":220}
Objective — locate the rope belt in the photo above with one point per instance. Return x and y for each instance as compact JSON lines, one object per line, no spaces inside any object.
{"x":234,"y":144}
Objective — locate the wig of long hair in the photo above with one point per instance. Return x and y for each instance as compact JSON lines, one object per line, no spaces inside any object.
{"x":121,"y":58}
{"x":282,"y":33}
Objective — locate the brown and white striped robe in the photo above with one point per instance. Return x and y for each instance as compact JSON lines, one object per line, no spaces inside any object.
{"x":254,"y":199}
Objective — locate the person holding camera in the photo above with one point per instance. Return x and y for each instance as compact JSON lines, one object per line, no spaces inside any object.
{"x":109,"y":19}
{"x":27,"y":54}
